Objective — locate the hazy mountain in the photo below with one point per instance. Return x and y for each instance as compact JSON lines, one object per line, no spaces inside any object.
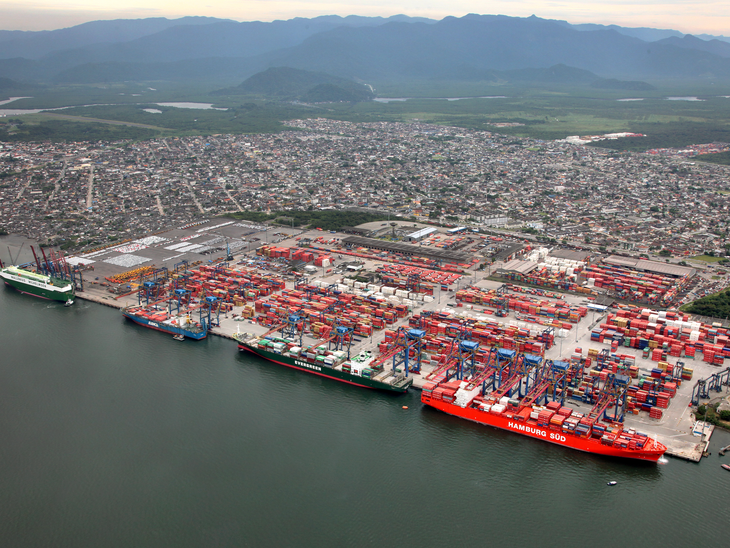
{"x":23,"y":69}
{"x":36,"y":44}
{"x":406,"y":51}
{"x":197,"y":70}
{"x":558,"y":74}
{"x":10,"y":88}
{"x":642,"y":33}
{"x":160,"y":40}
{"x":6,"y":35}
{"x":688,"y":41}
{"x":645,"y":33}
{"x":367,"y":49}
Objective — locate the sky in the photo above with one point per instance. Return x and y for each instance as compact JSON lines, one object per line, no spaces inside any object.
{"x":687,"y":16}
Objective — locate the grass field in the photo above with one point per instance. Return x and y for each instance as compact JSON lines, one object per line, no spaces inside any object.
{"x":719,"y":158}
{"x":706,"y":259}
{"x":547,"y":113}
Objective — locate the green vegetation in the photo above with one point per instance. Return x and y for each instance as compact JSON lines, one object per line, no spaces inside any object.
{"x":548,"y":112}
{"x":710,"y":414}
{"x":63,"y":130}
{"x":699,"y":129}
{"x":707,"y":258}
{"x":715,"y":306}
{"x":330,"y":93}
{"x":326,"y":220}
{"x":288,"y":83}
{"x":722,"y":158}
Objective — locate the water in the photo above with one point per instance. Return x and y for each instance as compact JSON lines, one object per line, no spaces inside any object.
{"x":19,"y":112}
{"x":114,"y":435}
{"x":400,"y":99}
{"x":199,"y":106}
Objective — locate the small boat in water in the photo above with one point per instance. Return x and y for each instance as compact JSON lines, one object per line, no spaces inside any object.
{"x":726,"y":467}
{"x":612,"y":483}
{"x":179,"y":337}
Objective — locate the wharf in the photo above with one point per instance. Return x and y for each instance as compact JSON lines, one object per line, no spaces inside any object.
{"x":675,"y":429}
{"x":111,"y":301}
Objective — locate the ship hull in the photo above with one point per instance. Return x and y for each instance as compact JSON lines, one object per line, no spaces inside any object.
{"x":52,"y":294}
{"x":166,"y":328}
{"x":652,"y":452}
{"x":322,"y":371}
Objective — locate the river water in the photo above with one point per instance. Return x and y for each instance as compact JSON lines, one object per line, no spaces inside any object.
{"x":115,"y":435}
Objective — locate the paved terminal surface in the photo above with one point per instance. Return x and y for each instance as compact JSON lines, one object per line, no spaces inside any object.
{"x":675,"y":429}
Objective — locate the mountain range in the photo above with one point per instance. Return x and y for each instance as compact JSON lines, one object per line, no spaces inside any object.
{"x":368,"y":50}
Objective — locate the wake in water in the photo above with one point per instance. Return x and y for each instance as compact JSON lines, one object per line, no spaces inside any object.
{"x":662,"y":460}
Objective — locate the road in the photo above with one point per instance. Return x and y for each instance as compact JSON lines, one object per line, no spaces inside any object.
{"x":102,"y":121}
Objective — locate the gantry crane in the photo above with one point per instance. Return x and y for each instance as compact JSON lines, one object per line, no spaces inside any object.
{"x":548,"y":375}
{"x":342,"y":339}
{"x":400,"y":349}
{"x":613,"y":394}
{"x":293,"y":327}
{"x":518,"y":369}
{"x":702,"y":387}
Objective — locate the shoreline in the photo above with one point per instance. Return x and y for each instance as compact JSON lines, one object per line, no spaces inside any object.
{"x":685,"y":449}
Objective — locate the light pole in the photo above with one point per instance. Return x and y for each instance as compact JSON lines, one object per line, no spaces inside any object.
{"x":560,"y":357}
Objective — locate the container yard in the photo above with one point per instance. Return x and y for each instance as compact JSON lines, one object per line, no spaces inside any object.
{"x":630,"y":280}
{"x":382,"y":317}
{"x":635,"y":280}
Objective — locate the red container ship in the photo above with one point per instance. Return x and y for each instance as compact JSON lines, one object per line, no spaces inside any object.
{"x":552,"y":423}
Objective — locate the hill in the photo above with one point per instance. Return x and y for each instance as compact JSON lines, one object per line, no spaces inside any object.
{"x":10,"y":88}
{"x":716,"y":47}
{"x":37,"y":44}
{"x":295,"y":84}
{"x":397,"y":51}
{"x":366,"y":49}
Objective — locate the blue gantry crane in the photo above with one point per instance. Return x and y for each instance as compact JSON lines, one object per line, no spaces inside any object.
{"x":714,"y":382}
{"x":342,"y":339}
{"x":548,"y":376}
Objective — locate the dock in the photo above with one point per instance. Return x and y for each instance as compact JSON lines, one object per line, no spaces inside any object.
{"x":676,"y":429}
{"x":685,"y":440}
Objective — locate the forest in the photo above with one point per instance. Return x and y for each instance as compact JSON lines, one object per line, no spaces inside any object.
{"x":324,"y":219}
{"x":714,"y":306}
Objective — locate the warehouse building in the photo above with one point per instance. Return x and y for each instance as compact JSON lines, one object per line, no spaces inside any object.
{"x":419,"y":235}
{"x":406,"y":249}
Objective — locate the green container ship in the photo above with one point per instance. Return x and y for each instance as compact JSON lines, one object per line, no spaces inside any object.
{"x":316,"y":360}
{"x":38,"y":285}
